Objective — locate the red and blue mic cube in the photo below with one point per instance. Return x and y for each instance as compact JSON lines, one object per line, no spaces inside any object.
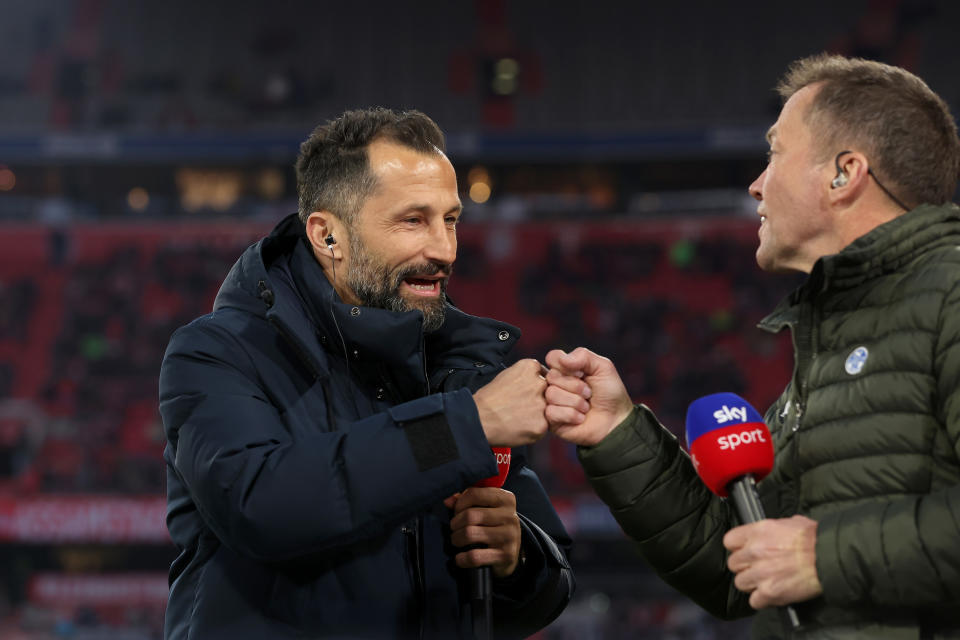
{"x":727,"y":440}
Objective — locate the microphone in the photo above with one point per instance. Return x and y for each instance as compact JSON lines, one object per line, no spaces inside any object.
{"x":503,"y":468}
{"x":481,"y":578}
{"x":731,"y":449}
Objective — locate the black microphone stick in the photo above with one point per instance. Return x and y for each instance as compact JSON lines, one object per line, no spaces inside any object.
{"x":743,"y":492}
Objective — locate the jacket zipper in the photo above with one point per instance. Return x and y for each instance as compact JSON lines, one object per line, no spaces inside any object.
{"x":413,"y":531}
{"x":421,"y":578}
{"x":806,"y":355}
{"x":423,"y":361}
{"x":414,"y":541}
{"x":421,"y":582}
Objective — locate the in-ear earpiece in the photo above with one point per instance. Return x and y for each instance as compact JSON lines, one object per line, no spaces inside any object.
{"x":330,"y":240}
{"x":841,"y":180}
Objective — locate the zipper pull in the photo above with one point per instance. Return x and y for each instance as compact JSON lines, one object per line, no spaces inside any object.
{"x":798,"y":415}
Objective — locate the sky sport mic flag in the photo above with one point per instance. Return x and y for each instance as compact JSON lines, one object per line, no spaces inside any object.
{"x":731,"y":448}
{"x":727,"y":440}
{"x":503,"y":468}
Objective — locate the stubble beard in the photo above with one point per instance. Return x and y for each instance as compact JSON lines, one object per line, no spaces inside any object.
{"x":375,"y":285}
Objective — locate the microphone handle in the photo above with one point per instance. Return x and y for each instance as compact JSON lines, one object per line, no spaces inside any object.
{"x":481,"y":602}
{"x":743,"y":491}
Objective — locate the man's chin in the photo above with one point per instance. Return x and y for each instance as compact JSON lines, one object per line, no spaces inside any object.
{"x":423,"y":302}
{"x":433,"y":309}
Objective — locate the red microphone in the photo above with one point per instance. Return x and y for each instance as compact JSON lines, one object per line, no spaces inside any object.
{"x":731,"y":449}
{"x":481,"y":578}
{"x":503,"y":468}
{"x":729,"y":444}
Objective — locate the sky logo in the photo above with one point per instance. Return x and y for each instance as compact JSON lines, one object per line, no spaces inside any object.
{"x":718,"y":411}
{"x":726,"y":414}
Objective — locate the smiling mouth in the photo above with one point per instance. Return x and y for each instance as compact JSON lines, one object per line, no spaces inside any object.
{"x":423,"y":286}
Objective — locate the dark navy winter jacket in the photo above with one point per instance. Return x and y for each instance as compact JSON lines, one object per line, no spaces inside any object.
{"x":305,"y":488}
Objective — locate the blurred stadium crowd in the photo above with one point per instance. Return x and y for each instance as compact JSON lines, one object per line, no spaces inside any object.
{"x":603,"y":153}
{"x":97,"y":304}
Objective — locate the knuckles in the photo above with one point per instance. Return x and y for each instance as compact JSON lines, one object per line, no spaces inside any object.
{"x":553,"y":357}
{"x":471,"y":558}
{"x":528,"y":365}
{"x":762,"y":596}
{"x":472,"y":518}
{"x":474,"y":533}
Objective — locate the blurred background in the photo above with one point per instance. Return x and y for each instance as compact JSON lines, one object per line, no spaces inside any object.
{"x":603,"y":151}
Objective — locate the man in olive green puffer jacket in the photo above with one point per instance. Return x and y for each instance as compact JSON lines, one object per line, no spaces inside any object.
{"x":863,"y":535}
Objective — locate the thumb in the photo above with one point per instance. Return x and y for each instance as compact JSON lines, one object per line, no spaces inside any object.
{"x":554,"y":359}
{"x":583,"y":360}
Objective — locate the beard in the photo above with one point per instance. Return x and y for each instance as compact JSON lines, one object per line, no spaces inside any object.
{"x":376,"y":285}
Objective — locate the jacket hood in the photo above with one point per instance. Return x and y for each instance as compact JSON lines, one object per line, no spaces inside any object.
{"x":244,"y":286}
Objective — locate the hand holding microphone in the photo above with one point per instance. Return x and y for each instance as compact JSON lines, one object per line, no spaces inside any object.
{"x":486,"y":515}
{"x":775,"y":561}
{"x":731,"y":448}
{"x":485,"y":521}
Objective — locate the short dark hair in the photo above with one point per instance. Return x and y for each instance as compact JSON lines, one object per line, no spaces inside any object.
{"x":905,"y":128}
{"x":333,"y":170}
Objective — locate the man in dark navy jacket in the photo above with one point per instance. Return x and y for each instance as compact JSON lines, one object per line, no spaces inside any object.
{"x":326,"y":421}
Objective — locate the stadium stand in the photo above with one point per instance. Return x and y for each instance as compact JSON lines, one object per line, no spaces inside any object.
{"x":618,"y":148}
{"x":674,"y":303}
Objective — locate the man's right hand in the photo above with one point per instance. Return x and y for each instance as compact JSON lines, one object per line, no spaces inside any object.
{"x":586,"y":398}
{"x":511,"y":406}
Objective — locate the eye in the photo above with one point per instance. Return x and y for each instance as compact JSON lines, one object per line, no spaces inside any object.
{"x":452,"y":220}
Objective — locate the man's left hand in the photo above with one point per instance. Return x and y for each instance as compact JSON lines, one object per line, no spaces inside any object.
{"x":775,"y":560}
{"x":486,"y":516}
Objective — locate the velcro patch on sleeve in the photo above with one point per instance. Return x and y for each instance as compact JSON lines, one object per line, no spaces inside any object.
{"x":432,"y":441}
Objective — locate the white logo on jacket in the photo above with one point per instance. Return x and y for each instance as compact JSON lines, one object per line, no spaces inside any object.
{"x":856,"y":360}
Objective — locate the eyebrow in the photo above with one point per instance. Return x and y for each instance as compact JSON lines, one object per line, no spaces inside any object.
{"x":427,"y":207}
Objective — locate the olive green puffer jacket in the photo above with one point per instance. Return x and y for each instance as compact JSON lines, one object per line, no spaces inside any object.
{"x":866,"y":437}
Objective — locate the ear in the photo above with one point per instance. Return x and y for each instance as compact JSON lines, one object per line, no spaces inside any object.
{"x":848,"y":177}
{"x":320,"y":225}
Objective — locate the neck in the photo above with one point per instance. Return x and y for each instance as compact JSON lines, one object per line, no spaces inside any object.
{"x":864,"y":217}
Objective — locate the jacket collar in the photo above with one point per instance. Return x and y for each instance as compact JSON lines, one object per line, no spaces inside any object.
{"x":884,"y":249}
{"x":279,"y":278}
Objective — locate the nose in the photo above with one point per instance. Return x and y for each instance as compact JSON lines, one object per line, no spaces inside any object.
{"x":756,"y":188}
{"x":441,"y":245}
